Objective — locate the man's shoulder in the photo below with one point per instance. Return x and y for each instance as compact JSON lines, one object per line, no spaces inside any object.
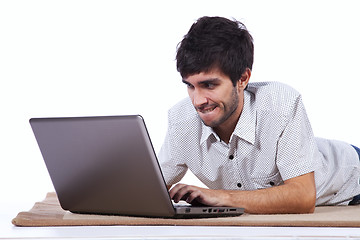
{"x":271,"y":89}
{"x":273,"y":95}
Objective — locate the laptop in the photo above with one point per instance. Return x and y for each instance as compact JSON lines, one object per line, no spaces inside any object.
{"x":107,"y":165}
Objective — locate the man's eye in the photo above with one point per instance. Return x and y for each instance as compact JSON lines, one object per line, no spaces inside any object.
{"x":189,"y":86}
{"x":209,"y":85}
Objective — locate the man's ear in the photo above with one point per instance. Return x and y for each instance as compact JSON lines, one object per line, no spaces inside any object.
{"x":244,"y":80}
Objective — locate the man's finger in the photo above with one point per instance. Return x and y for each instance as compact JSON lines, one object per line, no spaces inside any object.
{"x":180,"y":192}
{"x":175,"y":189}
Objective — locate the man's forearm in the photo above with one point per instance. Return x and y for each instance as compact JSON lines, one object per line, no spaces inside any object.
{"x":292,"y":197}
{"x":272,"y":200}
{"x":296,"y":195}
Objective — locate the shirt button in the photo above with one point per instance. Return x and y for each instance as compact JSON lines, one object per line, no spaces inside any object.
{"x":239,"y":185}
{"x":231,"y":157}
{"x":272,"y":183}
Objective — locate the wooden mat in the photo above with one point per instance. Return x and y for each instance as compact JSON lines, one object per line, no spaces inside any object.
{"x":49,"y":213}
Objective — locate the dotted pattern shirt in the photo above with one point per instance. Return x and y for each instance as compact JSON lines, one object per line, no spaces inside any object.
{"x":272,"y":142}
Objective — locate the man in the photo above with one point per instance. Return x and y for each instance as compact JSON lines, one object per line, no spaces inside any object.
{"x":251,"y":144}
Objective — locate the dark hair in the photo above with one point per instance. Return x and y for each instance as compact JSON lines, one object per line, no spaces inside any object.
{"x":216,"y":42}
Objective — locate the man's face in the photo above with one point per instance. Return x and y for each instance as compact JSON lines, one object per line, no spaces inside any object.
{"x":215,"y":98}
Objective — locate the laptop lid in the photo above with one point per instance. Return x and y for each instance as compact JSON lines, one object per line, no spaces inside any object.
{"x":106,"y":165}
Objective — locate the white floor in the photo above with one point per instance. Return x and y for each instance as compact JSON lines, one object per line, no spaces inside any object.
{"x":177,"y":232}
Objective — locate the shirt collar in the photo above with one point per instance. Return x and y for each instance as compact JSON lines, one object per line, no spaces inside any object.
{"x":245,"y":127}
{"x":206,"y":133}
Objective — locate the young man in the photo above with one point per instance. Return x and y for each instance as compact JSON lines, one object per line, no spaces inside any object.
{"x":251,"y":144}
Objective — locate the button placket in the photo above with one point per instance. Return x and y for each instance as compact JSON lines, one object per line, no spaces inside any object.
{"x":232,"y":147}
{"x":232,"y":157}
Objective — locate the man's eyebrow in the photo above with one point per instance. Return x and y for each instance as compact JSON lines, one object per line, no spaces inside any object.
{"x":186,"y":82}
{"x":210,"y":80}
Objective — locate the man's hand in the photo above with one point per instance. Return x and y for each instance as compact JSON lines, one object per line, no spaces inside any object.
{"x":296,"y":195}
{"x":196,"y":195}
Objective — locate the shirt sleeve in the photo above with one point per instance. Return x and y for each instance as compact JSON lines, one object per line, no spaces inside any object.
{"x":173,"y":168}
{"x":297,"y":149}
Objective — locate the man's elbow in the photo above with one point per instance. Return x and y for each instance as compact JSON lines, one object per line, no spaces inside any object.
{"x":308,"y":207}
{"x":304,"y":201}
{"x":308,"y":203}
{"x":304,"y":192}
{"x":311,"y":205}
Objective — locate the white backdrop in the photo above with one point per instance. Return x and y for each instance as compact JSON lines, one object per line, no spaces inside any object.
{"x":81,"y":58}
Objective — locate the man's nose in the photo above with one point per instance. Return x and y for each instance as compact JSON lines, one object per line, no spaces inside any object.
{"x":199,"y":98}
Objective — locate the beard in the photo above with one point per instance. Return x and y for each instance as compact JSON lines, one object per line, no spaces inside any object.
{"x":227,"y":110}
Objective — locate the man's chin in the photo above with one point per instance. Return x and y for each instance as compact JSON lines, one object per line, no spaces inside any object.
{"x":212,"y":124}
{"x":211,"y":118}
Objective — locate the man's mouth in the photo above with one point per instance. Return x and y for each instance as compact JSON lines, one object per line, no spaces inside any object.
{"x":206,"y":109}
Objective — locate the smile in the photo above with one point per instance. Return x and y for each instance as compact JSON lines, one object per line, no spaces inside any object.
{"x":206,"y":109}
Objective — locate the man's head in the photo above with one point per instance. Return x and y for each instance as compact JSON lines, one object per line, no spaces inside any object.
{"x":215,"y":60}
{"x":216,"y":43}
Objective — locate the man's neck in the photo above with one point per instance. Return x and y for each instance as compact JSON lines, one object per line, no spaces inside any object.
{"x":225,"y":130}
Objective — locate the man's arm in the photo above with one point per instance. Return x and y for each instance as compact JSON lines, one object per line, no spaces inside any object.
{"x":296,"y":195}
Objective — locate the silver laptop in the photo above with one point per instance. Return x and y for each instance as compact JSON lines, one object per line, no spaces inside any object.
{"x":107,"y":165}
